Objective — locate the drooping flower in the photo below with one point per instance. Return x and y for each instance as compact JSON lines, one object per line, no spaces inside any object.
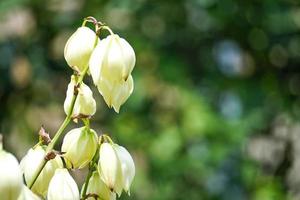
{"x":110,"y":65}
{"x":62,"y":186}
{"x":113,"y":59}
{"x":127,"y":167}
{"x":79,"y":48}
{"x":79,"y":146}
{"x":11,"y":181}
{"x":85,"y":103}
{"x":116,"y":167}
{"x":29,"y":165}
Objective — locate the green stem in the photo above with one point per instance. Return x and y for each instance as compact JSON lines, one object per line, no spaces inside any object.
{"x":37,"y":173}
{"x":86,"y":123}
{"x":53,"y":142}
{"x":108,"y":29}
{"x":92,"y":168}
{"x":86,"y":183}
{"x":58,"y":133}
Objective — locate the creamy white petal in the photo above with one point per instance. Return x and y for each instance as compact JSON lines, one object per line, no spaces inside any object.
{"x":115,"y":93}
{"x":105,"y":88}
{"x":128,"y":55}
{"x":109,"y":165}
{"x":121,"y":93}
{"x":96,"y":60}
{"x":127,"y":165}
{"x":114,"y":62}
{"x":11,"y":181}
{"x":62,"y":186}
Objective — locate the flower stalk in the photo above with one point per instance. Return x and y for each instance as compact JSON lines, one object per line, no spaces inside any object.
{"x":110,"y":63}
{"x":92,"y":168}
{"x":59,"y":131}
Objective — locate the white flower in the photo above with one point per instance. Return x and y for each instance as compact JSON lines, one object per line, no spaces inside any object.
{"x":97,"y":186}
{"x":111,"y":64}
{"x":27,"y":194}
{"x":115,"y":93}
{"x":62,"y":186}
{"x":29,"y":165}
{"x":85,"y":103}
{"x":116,"y":167}
{"x":127,"y":166}
{"x":109,"y":166}
{"x":79,"y":145}
{"x":79,"y":47}
{"x":11,"y":181}
{"x":113,"y":59}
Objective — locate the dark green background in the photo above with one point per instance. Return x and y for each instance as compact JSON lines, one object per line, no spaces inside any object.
{"x":215,"y":110}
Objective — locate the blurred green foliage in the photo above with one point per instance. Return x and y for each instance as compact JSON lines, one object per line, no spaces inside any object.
{"x":209,"y":75}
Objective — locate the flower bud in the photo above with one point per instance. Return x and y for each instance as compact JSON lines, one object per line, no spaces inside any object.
{"x":79,"y":47}
{"x":11,"y":181}
{"x":79,"y":145}
{"x":27,"y":194}
{"x":62,"y":186}
{"x":113,"y":58}
{"x":29,"y":165}
{"x":97,"y":186}
{"x":85,"y":103}
{"x":116,"y":167}
{"x":115,"y":93}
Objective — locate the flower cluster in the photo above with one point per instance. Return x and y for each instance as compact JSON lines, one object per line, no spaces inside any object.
{"x":110,"y":62}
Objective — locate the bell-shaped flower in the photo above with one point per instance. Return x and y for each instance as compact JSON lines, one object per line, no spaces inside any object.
{"x":79,"y":147}
{"x":85,"y":103}
{"x":116,"y":167}
{"x":27,"y":194}
{"x":127,"y":167}
{"x":113,"y":59}
{"x":115,"y":93}
{"x":79,"y":48}
{"x":98,"y":187}
{"x":29,"y":165}
{"x":11,"y":181}
{"x":62,"y":186}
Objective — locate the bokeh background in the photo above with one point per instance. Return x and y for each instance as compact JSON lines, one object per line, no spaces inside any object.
{"x":215,"y":110}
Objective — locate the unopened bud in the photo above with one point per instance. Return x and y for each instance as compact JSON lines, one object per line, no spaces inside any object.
{"x":79,"y":146}
{"x":85,"y":103}
{"x":79,"y":47}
